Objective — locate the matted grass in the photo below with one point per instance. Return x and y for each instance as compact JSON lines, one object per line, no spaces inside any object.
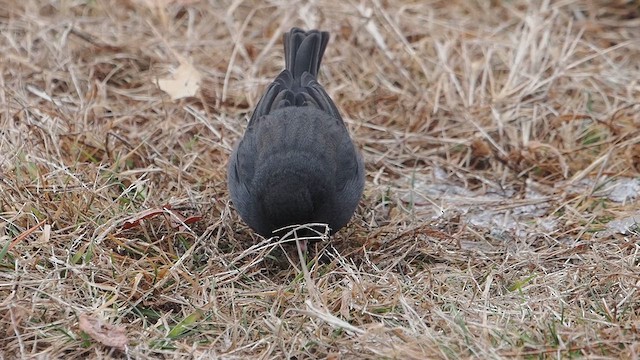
{"x":499,"y":219}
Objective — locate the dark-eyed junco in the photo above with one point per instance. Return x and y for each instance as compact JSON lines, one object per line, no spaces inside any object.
{"x":296,"y":163}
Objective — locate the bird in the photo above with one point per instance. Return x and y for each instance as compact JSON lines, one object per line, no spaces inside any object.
{"x":296,"y":163}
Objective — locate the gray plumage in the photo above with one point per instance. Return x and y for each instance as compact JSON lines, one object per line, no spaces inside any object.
{"x":296,"y":163}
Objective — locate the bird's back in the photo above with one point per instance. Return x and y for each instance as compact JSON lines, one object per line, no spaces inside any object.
{"x":295,"y":178}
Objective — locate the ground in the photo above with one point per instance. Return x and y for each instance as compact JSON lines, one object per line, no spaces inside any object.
{"x":499,"y":220}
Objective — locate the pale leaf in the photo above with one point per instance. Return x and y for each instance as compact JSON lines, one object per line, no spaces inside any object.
{"x":184,"y":82}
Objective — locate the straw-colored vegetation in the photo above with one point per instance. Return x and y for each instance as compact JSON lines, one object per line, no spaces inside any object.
{"x":499,"y":219}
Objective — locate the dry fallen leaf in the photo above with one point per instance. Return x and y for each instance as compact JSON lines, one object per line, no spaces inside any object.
{"x":184,"y":82}
{"x":480,"y":154}
{"x":175,"y":219}
{"x":106,"y":334}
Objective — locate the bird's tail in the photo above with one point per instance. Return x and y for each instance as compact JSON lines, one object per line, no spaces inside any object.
{"x":303,"y":51}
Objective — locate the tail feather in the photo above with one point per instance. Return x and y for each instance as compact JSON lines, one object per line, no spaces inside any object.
{"x":297,"y":84}
{"x":303,"y":51}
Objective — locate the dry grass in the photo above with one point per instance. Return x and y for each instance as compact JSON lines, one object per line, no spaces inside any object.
{"x":503,"y":154}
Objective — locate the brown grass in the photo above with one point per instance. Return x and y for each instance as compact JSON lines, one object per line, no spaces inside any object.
{"x":498,"y":137}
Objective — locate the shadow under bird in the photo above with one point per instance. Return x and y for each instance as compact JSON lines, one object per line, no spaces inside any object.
{"x":296,"y":163}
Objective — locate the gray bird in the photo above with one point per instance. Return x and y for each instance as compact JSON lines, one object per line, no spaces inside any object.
{"x":296,"y":163}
